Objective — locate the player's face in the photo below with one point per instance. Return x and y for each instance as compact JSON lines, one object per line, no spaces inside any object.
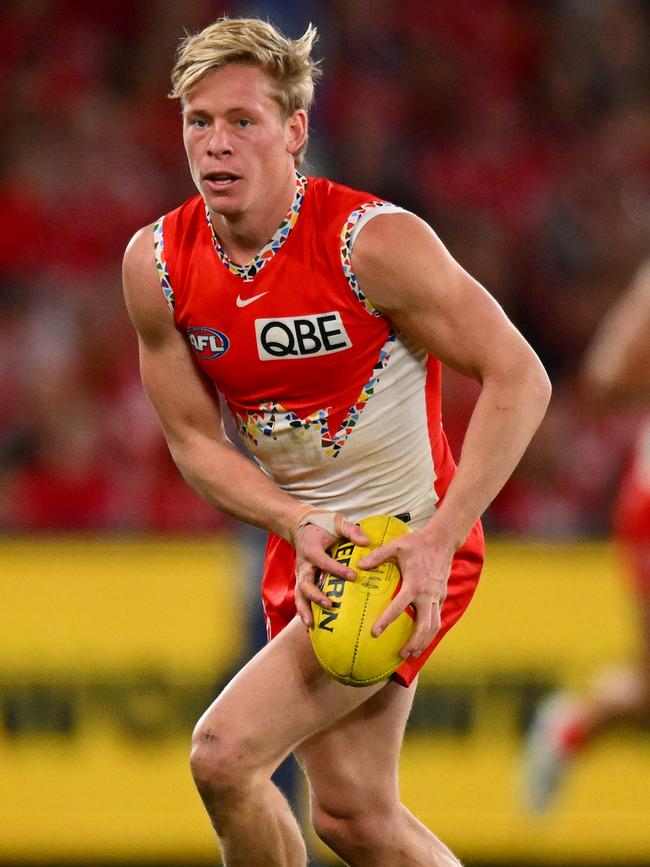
{"x":240,"y":148}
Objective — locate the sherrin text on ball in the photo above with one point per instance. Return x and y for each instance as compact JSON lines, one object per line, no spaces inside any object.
{"x":341,"y":635}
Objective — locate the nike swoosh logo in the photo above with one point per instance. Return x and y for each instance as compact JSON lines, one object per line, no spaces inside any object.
{"x":244,"y":302}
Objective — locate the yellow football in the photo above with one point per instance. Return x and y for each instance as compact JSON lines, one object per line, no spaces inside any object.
{"x":341,"y":634}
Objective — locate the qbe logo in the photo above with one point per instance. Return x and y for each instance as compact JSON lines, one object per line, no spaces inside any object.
{"x":207,"y":342}
{"x":301,"y":336}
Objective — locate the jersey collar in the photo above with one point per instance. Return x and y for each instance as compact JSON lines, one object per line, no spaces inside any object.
{"x":252,"y":269}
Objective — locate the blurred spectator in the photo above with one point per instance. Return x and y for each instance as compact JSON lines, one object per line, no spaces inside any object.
{"x":521,"y":131}
{"x":616,"y":367}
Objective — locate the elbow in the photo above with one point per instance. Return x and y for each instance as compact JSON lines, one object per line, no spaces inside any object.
{"x":181,"y":455}
{"x":539,"y":386}
{"x":523,"y":384}
{"x":193,"y":452}
{"x":183,"y":450}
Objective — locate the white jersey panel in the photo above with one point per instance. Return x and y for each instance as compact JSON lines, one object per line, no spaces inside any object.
{"x":384,"y":464}
{"x":367,"y":215}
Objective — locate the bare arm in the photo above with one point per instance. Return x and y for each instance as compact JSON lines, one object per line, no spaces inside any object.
{"x":429,"y":297}
{"x":188,"y":408}
{"x":617,"y":363}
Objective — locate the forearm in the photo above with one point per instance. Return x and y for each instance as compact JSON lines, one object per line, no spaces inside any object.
{"x":506,"y":415}
{"x":234,"y":484}
{"x":617,"y":363}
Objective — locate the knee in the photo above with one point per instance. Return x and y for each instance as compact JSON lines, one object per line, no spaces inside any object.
{"x":218,"y":759}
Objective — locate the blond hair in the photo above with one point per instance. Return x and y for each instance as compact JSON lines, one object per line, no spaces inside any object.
{"x":251,"y":40}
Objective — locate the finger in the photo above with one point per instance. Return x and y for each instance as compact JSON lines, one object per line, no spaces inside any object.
{"x":303,"y":608}
{"x":307,"y":591}
{"x":313,"y":594}
{"x":436,"y":612}
{"x":309,"y":586}
{"x":354,"y":533}
{"x":390,"y":613}
{"x":378,"y":556}
{"x":325,"y":563}
{"x":302,"y":603}
{"x":424,"y":630}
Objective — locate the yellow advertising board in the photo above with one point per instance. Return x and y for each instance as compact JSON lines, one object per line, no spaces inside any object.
{"x":110,"y":650}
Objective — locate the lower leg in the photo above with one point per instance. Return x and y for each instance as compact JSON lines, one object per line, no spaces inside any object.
{"x":443,"y":856}
{"x":254,"y":824}
{"x":620,"y":693}
{"x":617,"y":694}
{"x":352,"y":770}
{"x":384,"y":840}
{"x":564,"y":724}
{"x":277,"y":700}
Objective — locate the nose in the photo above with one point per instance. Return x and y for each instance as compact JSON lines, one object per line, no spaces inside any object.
{"x":219,"y":143}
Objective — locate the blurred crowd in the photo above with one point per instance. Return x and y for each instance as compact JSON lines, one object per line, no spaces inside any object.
{"x":520,"y":130}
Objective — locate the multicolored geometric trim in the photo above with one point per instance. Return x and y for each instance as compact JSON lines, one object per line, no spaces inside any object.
{"x":263,"y":423}
{"x":161,"y":264}
{"x":347,"y":236}
{"x":252,"y":269}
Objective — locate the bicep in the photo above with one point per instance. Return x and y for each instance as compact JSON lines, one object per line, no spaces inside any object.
{"x":432,"y":299}
{"x":183,"y":398}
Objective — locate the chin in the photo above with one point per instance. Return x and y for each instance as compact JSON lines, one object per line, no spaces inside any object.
{"x":224,"y":205}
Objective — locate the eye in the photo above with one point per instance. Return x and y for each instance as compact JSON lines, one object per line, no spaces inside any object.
{"x":243,"y":122}
{"x":198,"y":122}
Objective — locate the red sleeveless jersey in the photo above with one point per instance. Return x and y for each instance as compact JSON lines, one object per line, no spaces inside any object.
{"x":291,"y":318}
{"x":337,"y":407}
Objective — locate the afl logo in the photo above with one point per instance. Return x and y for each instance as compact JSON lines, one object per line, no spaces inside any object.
{"x":208,"y":343}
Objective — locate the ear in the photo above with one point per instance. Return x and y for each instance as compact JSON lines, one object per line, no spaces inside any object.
{"x":296,"y":131}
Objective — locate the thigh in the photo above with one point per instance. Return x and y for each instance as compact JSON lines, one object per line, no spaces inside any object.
{"x":280,"y":698}
{"x":355,"y":761}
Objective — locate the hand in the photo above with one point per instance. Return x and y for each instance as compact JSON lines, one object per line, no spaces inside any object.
{"x":311,"y":542}
{"x":424,"y":565}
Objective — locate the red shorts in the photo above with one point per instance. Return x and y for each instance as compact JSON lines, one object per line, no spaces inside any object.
{"x":632,"y":530}
{"x":279,"y":580}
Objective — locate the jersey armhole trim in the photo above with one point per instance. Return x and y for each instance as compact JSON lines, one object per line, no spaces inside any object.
{"x":351,"y":228}
{"x":161,"y":263}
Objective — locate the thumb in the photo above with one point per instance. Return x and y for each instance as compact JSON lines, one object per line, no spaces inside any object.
{"x":354,"y":533}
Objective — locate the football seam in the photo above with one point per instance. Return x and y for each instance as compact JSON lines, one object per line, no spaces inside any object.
{"x":363,"y":618}
{"x":356,"y":644}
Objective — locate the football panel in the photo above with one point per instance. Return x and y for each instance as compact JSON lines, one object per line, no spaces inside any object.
{"x":341,"y":635}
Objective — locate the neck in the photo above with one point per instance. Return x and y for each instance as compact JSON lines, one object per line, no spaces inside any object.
{"x":243,"y":235}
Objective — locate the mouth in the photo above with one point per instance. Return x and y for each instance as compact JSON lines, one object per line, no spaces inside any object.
{"x":220,"y":180}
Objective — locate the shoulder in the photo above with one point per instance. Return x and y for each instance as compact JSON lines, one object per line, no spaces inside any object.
{"x":139,"y":264}
{"x":142,"y":289}
{"x":394,"y":232}
{"x":350,"y":209}
{"x":398,"y":249}
{"x":142,"y":248}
